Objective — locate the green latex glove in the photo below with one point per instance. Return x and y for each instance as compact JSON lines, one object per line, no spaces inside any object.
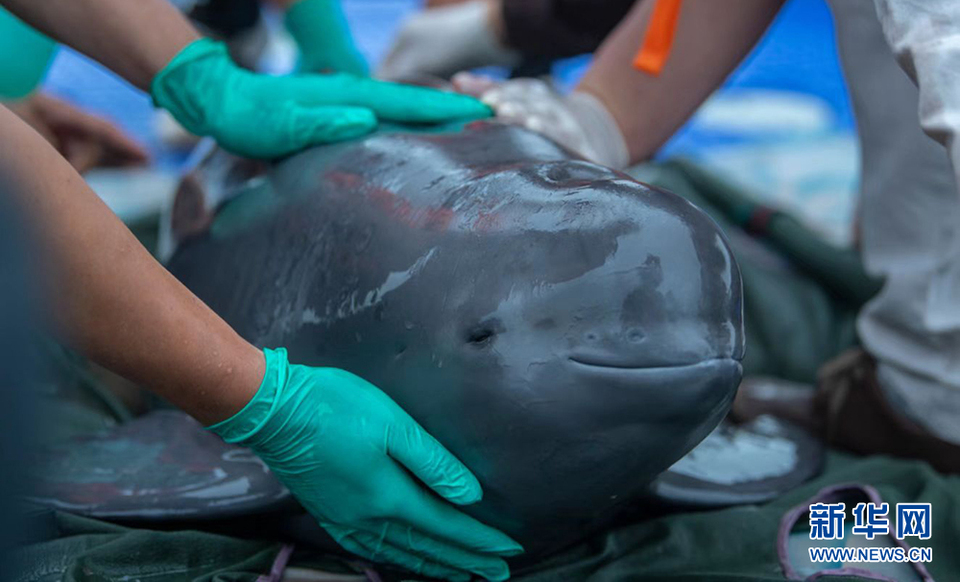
{"x":362,"y":467}
{"x":261,"y":116}
{"x":323,"y":36}
{"x":27,"y":55}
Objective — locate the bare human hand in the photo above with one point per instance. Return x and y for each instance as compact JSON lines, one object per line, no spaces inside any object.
{"x":86,"y":141}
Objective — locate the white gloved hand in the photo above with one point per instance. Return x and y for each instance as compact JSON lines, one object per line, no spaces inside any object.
{"x":441,"y":41}
{"x":577,"y":121}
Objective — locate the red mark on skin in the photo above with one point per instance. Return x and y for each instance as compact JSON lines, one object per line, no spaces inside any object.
{"x":486,"y":221}
{"x":344,"y":180}
{"x":389,"y":203}
{"x":438,"y":218}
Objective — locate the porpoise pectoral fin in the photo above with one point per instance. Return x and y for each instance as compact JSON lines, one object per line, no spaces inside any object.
{"x":213,"y":178}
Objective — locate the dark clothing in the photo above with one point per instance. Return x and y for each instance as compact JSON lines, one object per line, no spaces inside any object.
{"x":560,"y":28}
{"x":226,"y":18}
{"x":858,"y":417}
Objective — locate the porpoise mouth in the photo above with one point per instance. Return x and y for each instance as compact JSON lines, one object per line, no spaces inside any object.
{"x":620,"y":365}
{"x":664,"y":391}
{"x":616,"y":367}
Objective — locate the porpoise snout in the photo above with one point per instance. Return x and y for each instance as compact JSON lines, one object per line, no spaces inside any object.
{"x":693,"y":391}
{"x":668,"y":344}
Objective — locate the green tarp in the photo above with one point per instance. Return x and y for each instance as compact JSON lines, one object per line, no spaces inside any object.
{"x":734,"y":544}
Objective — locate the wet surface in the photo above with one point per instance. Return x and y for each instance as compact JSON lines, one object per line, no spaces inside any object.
{"x":159,"y":468}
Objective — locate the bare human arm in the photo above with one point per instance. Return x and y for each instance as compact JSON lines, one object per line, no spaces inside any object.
{"x":111,"y":299}
{"x":149,"y":43}
{"x":711,"y":39}
{"x":134,"y":39}
{"x":618,"y":116}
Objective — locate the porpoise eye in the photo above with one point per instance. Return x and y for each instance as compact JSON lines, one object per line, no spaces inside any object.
{"x":483,"y":334}
{"x":480,"y":336}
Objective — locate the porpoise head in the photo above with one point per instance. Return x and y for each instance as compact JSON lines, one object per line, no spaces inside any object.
{"x":564,"y":330}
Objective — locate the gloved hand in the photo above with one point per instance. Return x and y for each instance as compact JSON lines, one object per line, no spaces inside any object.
{"x":578,"y":120}
{"x":442,"y":41}
{"x":27,"y":56}
{"x":362,"y":467}
{"x":323,"y":36}
{"x":260,"y":116}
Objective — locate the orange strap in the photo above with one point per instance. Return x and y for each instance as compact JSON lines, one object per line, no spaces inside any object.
{"x":659,"y":37}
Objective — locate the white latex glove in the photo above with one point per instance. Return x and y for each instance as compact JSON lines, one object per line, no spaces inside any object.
{"x":577,"y":121}
{"x":441,"y":41}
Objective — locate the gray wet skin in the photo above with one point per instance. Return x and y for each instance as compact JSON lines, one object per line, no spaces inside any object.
{"x":564,"y":330}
